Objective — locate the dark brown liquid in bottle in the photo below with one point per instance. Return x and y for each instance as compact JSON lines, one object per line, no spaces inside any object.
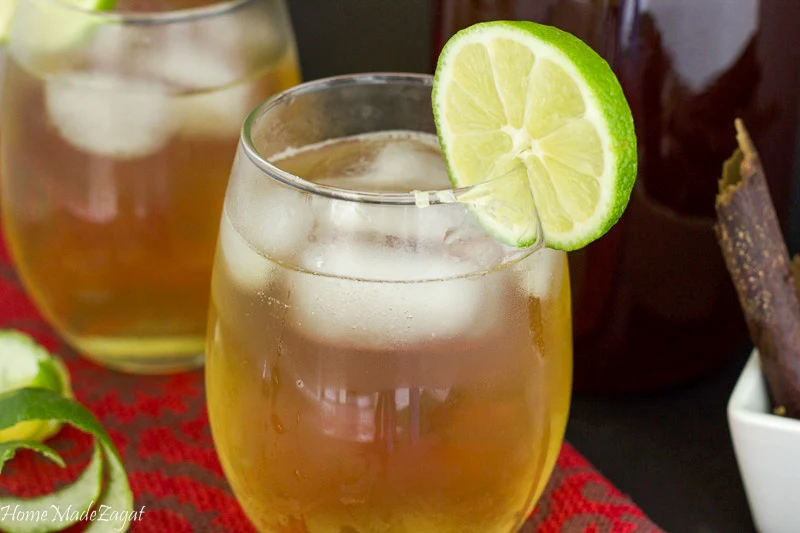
{"x":653,"y":304}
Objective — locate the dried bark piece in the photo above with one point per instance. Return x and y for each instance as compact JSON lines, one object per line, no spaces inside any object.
{"x":795,"y":268}
{"x":755,"y":253}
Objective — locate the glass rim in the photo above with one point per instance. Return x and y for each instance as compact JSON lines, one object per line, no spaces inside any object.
{"x":431,"y":197}
{"x":156,"y":17}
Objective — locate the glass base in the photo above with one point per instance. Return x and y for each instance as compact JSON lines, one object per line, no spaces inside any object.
{"x":137,"y":355}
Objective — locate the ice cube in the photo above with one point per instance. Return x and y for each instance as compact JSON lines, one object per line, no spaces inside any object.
{"x":193,"y":67}
{"x":435,"y":329}
{"x":249,"y":33}
{"x":409,"y":165}
{"x":217,"y":113}
{"x":396,"y":165}
{"x":213,"y":99}
{"x":274,"y":218}
{"x":249,"y":270}
{"x":110,"y":115}
{"x":380,"y":297}
{"x":546,"y":273}
{"x":429,"y":226}
{"x":401,"y":165}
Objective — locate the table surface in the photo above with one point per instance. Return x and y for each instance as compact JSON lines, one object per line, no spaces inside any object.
{"x":670,"y":452}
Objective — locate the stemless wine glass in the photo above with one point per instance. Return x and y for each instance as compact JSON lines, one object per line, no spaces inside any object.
{"x":118,"y":132}
{"x":376,"y":361}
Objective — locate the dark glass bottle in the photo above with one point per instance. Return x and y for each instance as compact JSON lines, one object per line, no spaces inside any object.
{"x":653,"y":304}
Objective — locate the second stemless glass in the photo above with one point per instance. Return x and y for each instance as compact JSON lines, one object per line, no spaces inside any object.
{"x":118,"y":132}
{"x":374,"y":365}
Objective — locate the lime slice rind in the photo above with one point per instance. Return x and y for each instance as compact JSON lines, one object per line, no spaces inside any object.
{"x":572,"y":129}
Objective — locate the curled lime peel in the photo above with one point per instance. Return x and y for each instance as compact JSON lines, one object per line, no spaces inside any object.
{"x":27,"y":404}
{"x":64,"y":508}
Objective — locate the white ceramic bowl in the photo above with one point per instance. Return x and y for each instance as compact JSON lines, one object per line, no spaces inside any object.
{"x":768,"y":452}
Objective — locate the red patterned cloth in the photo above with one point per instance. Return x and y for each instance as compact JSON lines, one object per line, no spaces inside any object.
{"x":160,"y":427}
